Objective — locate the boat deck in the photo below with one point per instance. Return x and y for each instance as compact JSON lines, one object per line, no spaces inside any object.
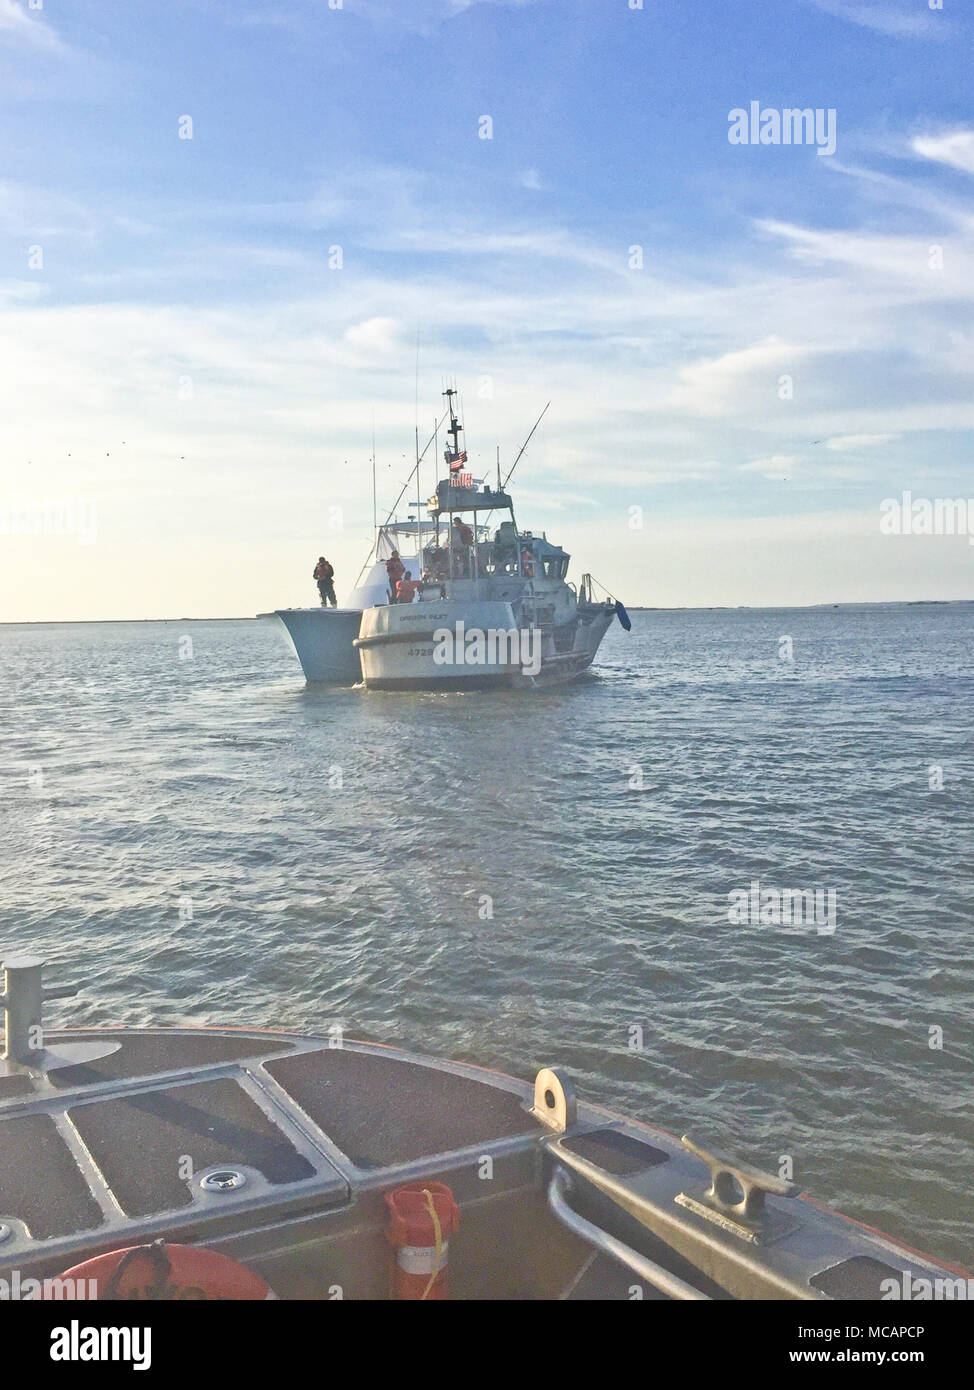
{"x":279,"y":1150}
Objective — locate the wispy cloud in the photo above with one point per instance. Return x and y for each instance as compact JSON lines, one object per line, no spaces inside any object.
{"x":845,"y":443}
{"x":907,"y":266}
{"x":31,"y":212}
{"x":954,"y":148}
{"x":458,"y":5}
{"x":719,"y":385}
{"x":22,"y":26}
{"x":425,"y":16}
{"x":776,"y":468}
{"x":896,"y":21}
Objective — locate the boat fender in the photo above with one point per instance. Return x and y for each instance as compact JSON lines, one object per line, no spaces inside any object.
{"x":623,"y":616}
{"x":422,"y":1217}
{"x":162,"y":1272}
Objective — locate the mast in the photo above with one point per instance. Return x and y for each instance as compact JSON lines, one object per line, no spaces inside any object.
{"x":419,"y":513}
{"x":454,"y":426}
{"x":453,"y":459}
{"x":375,"y":501}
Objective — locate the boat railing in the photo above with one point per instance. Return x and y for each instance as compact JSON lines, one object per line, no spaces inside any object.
{"x":653,"y":1274}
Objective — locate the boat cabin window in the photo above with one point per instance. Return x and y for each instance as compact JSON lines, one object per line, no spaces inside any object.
{"x":555,"y":566}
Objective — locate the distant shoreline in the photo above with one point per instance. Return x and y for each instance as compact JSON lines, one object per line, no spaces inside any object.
{"x":631,"y":607}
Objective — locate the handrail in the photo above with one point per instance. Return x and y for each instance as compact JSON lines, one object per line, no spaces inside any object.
{"x":653,"y":1274}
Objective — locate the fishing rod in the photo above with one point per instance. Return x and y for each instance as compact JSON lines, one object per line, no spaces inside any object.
{"x":410,"y":478}
{"x":524,"y":446}
{"x":502,"y":485}
{"x":402,"y":491}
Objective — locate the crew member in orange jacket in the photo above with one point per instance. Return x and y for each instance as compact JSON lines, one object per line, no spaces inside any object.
{"x":406,"y":588}
{"x":395,"y":569}
{"x":462,"y":541}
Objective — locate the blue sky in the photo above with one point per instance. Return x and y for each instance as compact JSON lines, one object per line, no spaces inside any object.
{"x":183,"y":363}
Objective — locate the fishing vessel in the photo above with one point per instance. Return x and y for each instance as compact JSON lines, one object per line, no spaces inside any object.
{"x":239,"y":1163}
{"x":492,"y":604}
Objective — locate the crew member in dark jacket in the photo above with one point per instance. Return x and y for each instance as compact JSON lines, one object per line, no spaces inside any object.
{"x":325,"y":575}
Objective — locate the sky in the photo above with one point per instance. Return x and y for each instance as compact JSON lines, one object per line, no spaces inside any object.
{"x":236,"y":238}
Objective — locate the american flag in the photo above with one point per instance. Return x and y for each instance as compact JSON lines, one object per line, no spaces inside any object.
{"x":456,"y":461}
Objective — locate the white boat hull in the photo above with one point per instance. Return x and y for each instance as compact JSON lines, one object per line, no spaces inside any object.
{"x":396,"y":645}
{"x":399,"y":648}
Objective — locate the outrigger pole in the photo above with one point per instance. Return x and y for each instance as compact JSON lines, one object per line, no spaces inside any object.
{"x":375,"y":504}
{"x":525,"y":444}
{"x":501,"y":486}
{"x":392,"y":509}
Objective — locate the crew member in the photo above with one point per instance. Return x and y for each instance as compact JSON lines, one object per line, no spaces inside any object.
{"x":527,"y":563}
{"x":325,"y":575}
{"x":395,"y":570}
{"x":462,"y":541}
{"x":406,"y":588}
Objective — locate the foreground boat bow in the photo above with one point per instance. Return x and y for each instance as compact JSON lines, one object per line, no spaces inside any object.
{"x":278,"y":1151}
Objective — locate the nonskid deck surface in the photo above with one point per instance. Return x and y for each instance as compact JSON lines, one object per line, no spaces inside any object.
{"x":100,"y":1149}
{"x":116,"y":1150}
{"x":408,"y":1112}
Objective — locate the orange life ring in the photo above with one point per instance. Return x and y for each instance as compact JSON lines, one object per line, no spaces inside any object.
{"x":160,"y":1271}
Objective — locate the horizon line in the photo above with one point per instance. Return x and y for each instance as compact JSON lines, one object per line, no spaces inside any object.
{"x":631,"y":607}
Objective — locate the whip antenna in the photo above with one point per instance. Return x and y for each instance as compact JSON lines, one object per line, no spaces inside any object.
{"x":525,"y":444}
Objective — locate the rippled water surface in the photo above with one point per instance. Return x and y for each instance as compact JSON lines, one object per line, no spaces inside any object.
{"x":207,"y":839}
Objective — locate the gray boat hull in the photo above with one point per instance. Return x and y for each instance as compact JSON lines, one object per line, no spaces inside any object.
{"x":323,"y":639}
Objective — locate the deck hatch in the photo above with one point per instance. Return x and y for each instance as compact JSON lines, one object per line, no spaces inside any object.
{"x":57,"y":1204}
{"x":411,"y":1110}
{"x":617,"y":1153}
{"x":859,"y":1277}
{"x":210,"y":1122}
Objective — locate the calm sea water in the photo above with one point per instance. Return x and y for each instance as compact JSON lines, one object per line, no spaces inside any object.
{"x":194,"y":835}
